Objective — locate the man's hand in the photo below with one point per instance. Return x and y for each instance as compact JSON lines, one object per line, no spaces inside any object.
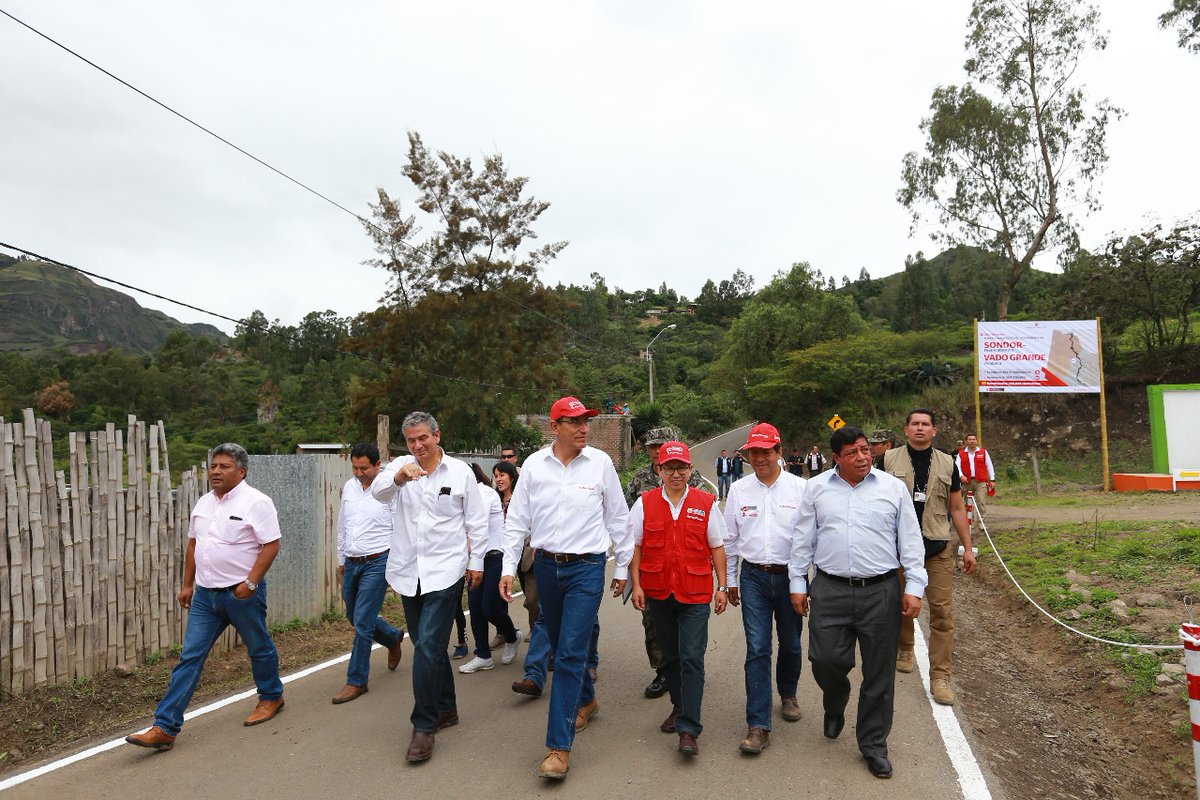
{"x":506,"y":584}
{"x":409,"y":472}
{"x":341,"y":572}
{"x":638,"y":598}
{"x":618,"y":587}
{"x":968,"y":560}
{"x":242,"y":591}
{"x":910,"y":606}
{"x":800,"y":603}
{"x":474,"y":578}
{"x":735,"y":598}
{"x":185,"y":596}
{"x":719,"y":604}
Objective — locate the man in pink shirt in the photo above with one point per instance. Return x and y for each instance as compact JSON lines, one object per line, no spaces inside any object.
{"x":232,"y":540}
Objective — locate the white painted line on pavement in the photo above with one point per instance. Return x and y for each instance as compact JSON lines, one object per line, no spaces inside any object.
{"x":970,"y":777}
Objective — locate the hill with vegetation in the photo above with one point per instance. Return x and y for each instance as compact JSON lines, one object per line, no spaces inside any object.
{"x":44,"y":306}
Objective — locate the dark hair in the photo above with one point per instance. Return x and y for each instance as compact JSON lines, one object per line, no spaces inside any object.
{"x":365,"y":450}
{"x":480,"y":475}
{"x":847,"y":434}
{"x":932,"y":417}
{"x":508,"y":469}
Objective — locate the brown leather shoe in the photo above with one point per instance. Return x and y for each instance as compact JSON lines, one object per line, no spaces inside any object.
{"x":527,"y":687}
{"x":593,"y":674}
{"x":154,"y":738}
{"x":349,"y":693}
{"x":688,"y":745}
{"x":394,"y":652}
{"x":757,"y":740}
{"x":265,"y":710}
{"x":555,"y":765}
{"x":447,"y":719}
{"x":420,"y":748}
{"x":791,"y":708}
{"x":668,"y":724}
{"x":585,"y":714}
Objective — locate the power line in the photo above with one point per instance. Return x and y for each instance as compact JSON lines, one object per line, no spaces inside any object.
{"x":283,"y":175}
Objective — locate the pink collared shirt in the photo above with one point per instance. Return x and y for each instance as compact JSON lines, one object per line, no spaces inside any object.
{"x":230,"y":532}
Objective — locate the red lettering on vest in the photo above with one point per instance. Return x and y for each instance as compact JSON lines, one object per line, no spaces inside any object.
{"x":676,"y":558}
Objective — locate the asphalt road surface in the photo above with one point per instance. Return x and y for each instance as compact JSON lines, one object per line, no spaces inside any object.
{"x":314,"y":749}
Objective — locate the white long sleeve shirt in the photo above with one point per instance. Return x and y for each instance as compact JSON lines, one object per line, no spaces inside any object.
{"x":364,"y":525}
{"x":760,"y":520}
{"x":491,"y":499}
{"x":857,"y":531}
{"x":568,"y":508}
{"x":436,"y":518}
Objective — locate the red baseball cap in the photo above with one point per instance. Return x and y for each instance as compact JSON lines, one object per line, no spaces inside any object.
{"x":571,"y":407}
{"x":674,"y":451}
{"x":764,"y":436}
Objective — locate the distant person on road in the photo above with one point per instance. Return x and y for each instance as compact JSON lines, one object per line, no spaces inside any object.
{"x":814,"y":462}
{"x":570,"y":506}
{"x":233,"y":537}
{"x":678,"y":536}
{"x":484,"y":601}
{"x":364,"y":530}
{"x":934,"y":486}
{"x":647,"y":479}
{"x":978,"y":475}
{"x":440,"y":532}
{"x":795,"y":463}
{"x":724,"y":474}
{"x":760,"y":516}
{"x":856,"y":527}
{"x":739,"y":464}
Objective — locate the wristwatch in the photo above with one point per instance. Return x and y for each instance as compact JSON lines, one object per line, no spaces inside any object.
{"x":723,"y":589}
{"x":251,"y":584}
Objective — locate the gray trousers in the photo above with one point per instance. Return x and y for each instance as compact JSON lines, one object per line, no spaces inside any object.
{"x":840,"y":616}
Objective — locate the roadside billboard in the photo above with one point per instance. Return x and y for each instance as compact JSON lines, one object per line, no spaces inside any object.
{"x":1056,"y":357}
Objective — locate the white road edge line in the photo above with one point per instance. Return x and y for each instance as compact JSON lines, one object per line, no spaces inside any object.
{"x":67,"y":761}
{"x":970,"y":777}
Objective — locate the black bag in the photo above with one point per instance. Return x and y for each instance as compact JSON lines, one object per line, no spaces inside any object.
{"x":933,"y":546}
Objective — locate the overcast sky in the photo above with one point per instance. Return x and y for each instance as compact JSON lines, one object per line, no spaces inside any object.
{"x":676,"y":141}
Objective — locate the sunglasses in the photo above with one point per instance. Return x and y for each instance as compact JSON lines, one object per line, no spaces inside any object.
{"x":508,"y":455}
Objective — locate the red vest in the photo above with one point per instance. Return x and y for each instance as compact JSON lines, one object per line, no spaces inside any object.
{"x":676,"y":558}
{"x":980,"y":472}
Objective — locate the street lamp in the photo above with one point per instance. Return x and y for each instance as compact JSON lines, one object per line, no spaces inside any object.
{"x":650,"y":358}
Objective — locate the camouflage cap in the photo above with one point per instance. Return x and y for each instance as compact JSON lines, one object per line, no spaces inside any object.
{"x":660,"y":436}
{"x":881,"y":435}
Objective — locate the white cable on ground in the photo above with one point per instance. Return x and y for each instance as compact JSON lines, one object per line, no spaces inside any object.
{"x":1000,"y":558}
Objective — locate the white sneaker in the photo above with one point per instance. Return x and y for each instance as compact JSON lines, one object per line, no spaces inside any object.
{"x":510,"y":650}
{"x":476,"y":664}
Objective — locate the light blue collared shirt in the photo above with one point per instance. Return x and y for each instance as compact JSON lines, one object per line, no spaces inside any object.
{"x":857,"y":531}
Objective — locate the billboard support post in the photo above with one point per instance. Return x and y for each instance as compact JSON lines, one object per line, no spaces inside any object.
{"x":978,"y":416}
{"x":1103,"y":413}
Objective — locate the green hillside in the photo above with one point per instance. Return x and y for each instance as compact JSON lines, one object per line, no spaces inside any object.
{"x":43,"y":306}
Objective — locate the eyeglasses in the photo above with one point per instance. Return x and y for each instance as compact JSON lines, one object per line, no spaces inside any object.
{"x":508,"y":455}
{"x":675,"y":470}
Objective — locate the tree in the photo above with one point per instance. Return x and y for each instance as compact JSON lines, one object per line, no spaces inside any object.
{"x":719,"y":303}
{"x":55,"y":400}
{"x":1185,"y":16}
{"x":467,"y":331}
{"x":1008,"y":152}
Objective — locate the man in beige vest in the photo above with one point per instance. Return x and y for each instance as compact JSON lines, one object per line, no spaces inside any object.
{"x":935,"y":487}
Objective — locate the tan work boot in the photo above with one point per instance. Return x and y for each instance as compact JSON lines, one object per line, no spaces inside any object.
{"x":904,"y":661}
{"x":941,"y":691}
{"x":791,"y":708}
{"x":757,"y":740}
{"x":585,"y":715}
{"x":555,"y":765}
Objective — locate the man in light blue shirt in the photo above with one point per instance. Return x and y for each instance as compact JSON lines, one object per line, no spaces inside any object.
{"x":857,"y":526}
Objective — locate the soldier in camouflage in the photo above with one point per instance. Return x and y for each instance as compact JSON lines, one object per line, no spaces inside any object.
{"x":644,"y":480}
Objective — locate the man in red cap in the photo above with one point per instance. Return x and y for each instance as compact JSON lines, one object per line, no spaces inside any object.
{"x":678,"y":534}
{"x":570,"y":504}
{"x":760,"y":513}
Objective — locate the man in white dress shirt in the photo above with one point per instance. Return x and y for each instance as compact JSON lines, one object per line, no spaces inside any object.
{"x":570,"y":504}
{"x":364,"y":531}
{"x":857,"y":526}
{"x":439,"y":518}
{"x":760,"y":515}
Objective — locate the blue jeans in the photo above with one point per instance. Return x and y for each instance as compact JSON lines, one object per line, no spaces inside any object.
{"x":211,"y":613}
{"x":765,"y":595}
{"x":570,"y":595}
{"x":537,"y":657}
{"x":363,"y":588}
{"x":722,"y":486}
{"x":430,"y":617}
{"x":683,"y":636}
{"x":487,"y":606}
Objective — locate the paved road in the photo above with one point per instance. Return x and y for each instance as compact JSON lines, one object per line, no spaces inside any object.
{"x":704,"y":455}
{"x":318,"y":750}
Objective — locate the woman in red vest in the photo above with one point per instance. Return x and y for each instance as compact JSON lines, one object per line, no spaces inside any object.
{"x":678,"y":534}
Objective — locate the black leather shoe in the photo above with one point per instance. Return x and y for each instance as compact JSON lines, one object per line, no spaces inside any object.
{"x":834,"y":724}
{"x":879,"y":766}
{"x":657,"y":687}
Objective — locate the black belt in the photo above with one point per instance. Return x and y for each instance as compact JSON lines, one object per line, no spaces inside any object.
{"x":224,"y":588}
{"x":365,"y":559}
{"x":773,"y":569}
{"x":891,"y":573}
{"x":561,"y":558}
